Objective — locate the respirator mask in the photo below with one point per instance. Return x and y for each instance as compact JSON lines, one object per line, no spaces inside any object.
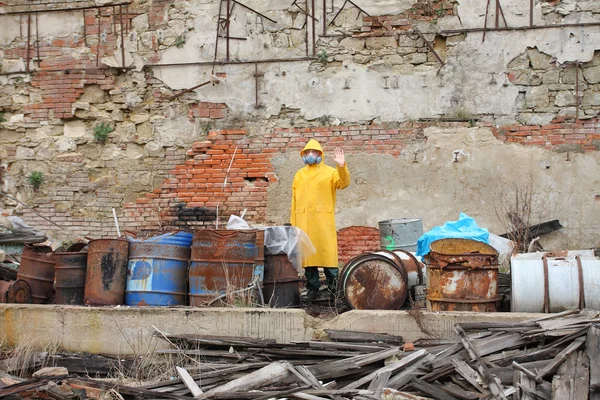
{"x":312,"y":158}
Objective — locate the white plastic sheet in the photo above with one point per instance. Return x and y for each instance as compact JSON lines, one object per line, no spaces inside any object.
{"x":289,"y":240}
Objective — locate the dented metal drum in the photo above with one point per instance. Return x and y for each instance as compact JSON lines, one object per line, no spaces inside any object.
{"x":106,"y":272}
{"x":16,"y":292}
{"x":157,"y":271}
{"x":37,"y":269}
{"x":462,"y":276}
{"x":224,"y":261}
{"x":70,"y":277}
{"x":374,"y":281}
{"x":400,"y":233}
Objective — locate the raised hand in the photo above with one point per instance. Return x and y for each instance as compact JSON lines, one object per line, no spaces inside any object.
{"x":338,"y":156}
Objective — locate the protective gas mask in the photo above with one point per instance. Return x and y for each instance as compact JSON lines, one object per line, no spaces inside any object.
{"x":312,"y":157}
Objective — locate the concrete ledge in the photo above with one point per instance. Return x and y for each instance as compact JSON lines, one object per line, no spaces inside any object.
{"x":128,"y":330}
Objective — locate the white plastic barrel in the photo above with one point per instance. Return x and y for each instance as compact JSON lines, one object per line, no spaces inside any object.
{"x":528,"y":281}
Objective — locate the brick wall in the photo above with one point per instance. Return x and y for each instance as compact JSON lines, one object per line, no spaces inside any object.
{"x":356,"y":240}
{"x":560,"y":135}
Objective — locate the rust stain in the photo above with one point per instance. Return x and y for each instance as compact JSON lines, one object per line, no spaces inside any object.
{"x":37,"y":269}
{"x":462,"y":276}
{"x":374,"y":282}
{"x":106,"y":272}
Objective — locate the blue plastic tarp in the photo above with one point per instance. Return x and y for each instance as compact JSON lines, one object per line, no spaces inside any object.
{"x":464,"y":228}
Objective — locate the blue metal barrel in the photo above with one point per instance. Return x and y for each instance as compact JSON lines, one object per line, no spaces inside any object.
{"x":157,"y":271}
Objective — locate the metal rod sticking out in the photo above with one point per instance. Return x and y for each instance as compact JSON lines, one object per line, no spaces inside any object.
{"x":122,"y":40}
{"x":99,"y":12}
{"x":28,"y":40}
{"x":84,"y":29}
{"x":116,"y":223}
{"x":314,"y":29}
{"x":227,"y":29}
{"x":324,"y":17}
{"x":37,"y":40}
{"x":576,"y":91}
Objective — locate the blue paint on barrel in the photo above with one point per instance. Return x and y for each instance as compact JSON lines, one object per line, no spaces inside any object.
{"x":157,"y":270}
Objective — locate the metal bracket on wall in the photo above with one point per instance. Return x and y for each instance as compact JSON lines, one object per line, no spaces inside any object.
{"x":497,"y":14}
{"x":256,"y":76}
{"x":430,"y":46}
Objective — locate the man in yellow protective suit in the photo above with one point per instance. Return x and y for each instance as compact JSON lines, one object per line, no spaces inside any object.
{"x":313,"y":211}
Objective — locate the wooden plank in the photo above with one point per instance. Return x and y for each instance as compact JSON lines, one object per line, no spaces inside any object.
{"x":380,"y":381}
{"x":592,"y":348}
{"x":522,"y":382}
{"x":365,"y":348}
{"x":506,"y":374}
{"x":504,"y":342}
{"x":431,"y":390}
{"x":402,"y":363}
{"x":189,"y":382}
{"x":469,"y":374}
{"x":271,"y":373}
{"x":572,"y":381}
{"x":460,"y":393}
{"x":527,"y":372}
{"x":494,"y":386}
{"x":122,"y":389}
{"x":355,"y":336}
{"x":562,"y":356}
{"x":405,"y":376}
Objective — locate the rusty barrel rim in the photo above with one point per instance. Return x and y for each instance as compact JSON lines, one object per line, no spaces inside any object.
{"x":388,"y":300}
{"x":15,"y":292}
{"x":474,"y":253}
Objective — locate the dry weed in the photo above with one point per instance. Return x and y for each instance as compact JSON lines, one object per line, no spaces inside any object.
{"x":27,"y":357}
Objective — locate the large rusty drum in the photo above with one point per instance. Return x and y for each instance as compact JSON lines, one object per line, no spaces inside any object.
{"x":37,"y":269}
{"x":462,"y":276}
{"x":224,"y":261}
{"x":70,"y":277}
{"x":374,"y":281}
{"x":106,"y":273}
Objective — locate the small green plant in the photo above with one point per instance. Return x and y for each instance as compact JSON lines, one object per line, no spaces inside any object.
{"x":472,"y":123}
{"x":179,"y":41}
{"x":101,"y":132}
{"x":322,"y":56}
{"x":440,"y":12}
{"x":2,"y":116}
{"x":36,"y":178}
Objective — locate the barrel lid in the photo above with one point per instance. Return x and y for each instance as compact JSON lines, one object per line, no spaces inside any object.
{"x":400,"y":220}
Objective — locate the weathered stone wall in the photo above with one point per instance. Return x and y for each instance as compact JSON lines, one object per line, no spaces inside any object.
{"x":423,"y":139}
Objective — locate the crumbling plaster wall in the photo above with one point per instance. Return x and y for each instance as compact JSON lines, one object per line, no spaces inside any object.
{"x":464,"y":170}
{"x":362,"y":74}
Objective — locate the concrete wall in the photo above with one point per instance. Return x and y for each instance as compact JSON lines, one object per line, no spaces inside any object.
{"x":520,"y":106}
{"x":125,"y":330}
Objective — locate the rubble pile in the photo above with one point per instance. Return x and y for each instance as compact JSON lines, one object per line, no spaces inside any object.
{"x":552,"y":357}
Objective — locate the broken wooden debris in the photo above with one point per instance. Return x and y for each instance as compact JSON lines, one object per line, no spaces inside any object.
{"x":551,"y":358}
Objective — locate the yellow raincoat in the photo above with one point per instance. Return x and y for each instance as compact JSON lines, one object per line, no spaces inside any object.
{"x":313,"y":207}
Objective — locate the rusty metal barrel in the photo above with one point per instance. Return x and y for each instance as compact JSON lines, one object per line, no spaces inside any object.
{"x":224,"y":261}
{"x":462,"y":276}
{"x":106,"y":272}
{"x":16,"y":292}
{"x":157,"y":270}
{"x":281,"y":282}
{"x":37,"y":269}
{"x":70,"y":277}
{"x":374,"y":281}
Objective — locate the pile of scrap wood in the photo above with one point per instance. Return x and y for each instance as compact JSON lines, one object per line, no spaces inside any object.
{"x":555,"y":357}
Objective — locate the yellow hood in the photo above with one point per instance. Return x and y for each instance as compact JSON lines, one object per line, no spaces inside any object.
{"x":312,"y":145}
